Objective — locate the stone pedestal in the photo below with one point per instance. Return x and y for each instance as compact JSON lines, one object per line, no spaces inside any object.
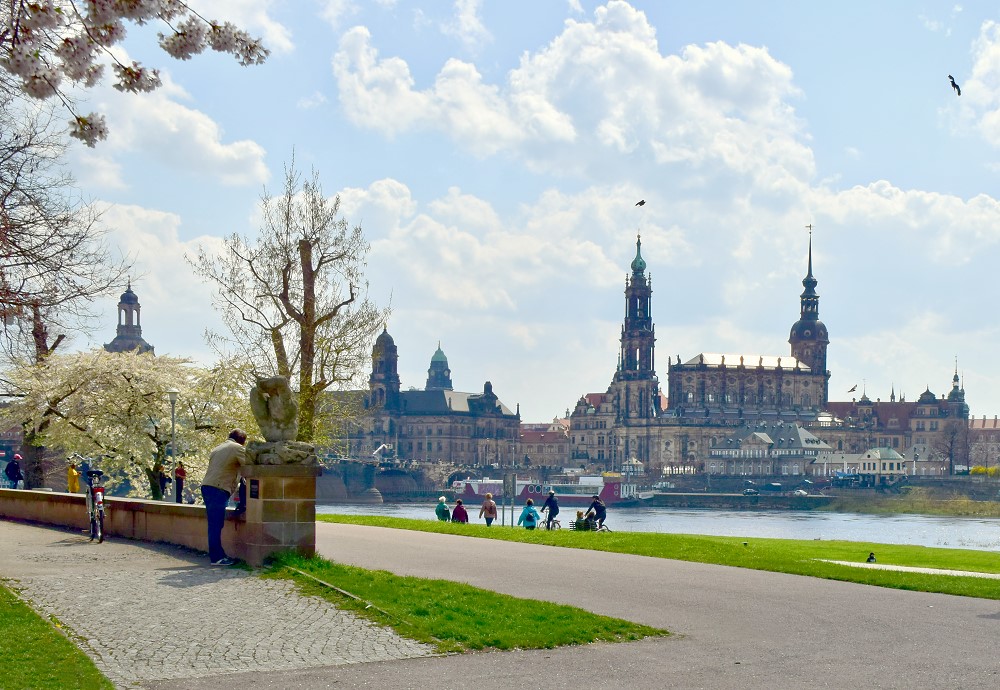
{"x":281,"y":510}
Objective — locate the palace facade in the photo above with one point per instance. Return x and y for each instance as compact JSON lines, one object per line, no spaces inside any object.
{"x":718,"y":401}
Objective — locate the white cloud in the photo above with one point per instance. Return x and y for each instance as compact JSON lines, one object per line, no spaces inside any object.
{"x":337,"y":12}
{"x":316,"y":99}
{"x":599,"y":89}
{"x":467,"y":26}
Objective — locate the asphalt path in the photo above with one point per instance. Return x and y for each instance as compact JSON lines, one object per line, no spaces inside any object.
{"x":733,"y":628}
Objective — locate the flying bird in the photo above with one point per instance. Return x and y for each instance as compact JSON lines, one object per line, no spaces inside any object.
{"x":641,"y":202}
{"x":954,"y":85}
{"x":853,"y":388}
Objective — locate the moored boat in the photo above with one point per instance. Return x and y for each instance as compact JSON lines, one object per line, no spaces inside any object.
{"x":608,"y":486}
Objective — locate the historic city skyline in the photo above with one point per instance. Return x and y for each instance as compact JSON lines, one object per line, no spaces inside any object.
{"x":495,"y":165}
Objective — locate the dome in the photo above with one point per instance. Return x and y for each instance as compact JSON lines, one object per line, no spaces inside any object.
{"x":638,"y":265}
{"x":129,"y":297}
{"x":809,"y":330}
{"x":926,"y":397}
{"x":384,"y":340}
{"x":439,"y":356}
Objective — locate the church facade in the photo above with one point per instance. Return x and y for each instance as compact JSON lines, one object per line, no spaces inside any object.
{"x":714,"y":398}
{"x":436,"y":423}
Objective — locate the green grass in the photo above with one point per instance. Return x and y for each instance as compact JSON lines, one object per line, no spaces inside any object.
{"x":778,"y":555}
{"x":918,"y":500}
{"x":455,"y":617}
{"x":36,"y":655}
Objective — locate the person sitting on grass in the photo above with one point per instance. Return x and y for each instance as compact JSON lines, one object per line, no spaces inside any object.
{"x":529,"y":516}
{"x":582,"y":523}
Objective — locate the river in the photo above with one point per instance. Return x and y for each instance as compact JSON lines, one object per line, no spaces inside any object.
{"x":982,"y":534}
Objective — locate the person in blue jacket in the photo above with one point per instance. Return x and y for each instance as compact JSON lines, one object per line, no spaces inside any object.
{"x":551,"y":506}
{"x":598,"y":511}
{"x":529,"y":516}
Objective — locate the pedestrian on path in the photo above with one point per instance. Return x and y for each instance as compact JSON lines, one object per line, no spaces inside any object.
{"x":224,"y":464}
{"x":13,"y":472}
{"x":442,"y":512}
{"x":460,"y":514}
{"x":529,"y":516}
{"x":72,"y":479}
{"x":488,"y":510}
{"x":180,"y":474}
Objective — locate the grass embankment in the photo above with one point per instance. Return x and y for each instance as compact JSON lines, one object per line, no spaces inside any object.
{"x":451,"y":616}
{"x":36,"y":655}
{"x":918,"y":500}
{"x":797,"y":557}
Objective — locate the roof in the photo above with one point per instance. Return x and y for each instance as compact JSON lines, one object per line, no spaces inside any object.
{"x":440,"y":402}
{"x":714,"y":359}
{"x":783,"y":435}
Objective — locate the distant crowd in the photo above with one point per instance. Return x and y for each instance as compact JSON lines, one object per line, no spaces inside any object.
{"x":591,"y":519}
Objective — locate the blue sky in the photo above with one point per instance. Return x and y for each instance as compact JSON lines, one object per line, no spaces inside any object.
{"x":493,"y":153}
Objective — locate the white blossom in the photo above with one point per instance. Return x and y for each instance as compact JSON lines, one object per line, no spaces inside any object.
{"x":46,"y":41}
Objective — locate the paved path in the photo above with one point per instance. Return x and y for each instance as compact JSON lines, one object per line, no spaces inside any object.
{"x":735,"y":628}
{"x":146,"y":612}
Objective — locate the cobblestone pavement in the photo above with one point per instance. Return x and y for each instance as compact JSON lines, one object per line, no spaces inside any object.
{"x":153,"y":612}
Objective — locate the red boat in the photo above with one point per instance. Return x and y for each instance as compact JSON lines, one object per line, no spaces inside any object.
{"x":608,"y":486}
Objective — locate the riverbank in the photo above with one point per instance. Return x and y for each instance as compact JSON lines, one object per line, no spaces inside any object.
{"x":917,"y":501}
{"x":816,"y":558}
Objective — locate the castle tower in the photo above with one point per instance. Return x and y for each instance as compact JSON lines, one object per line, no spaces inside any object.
{"x":635,"y":377}
{"x":809,"y":337}
{"x":129,"y":336}
{"x":383,"y":383}
{"x":439,"y":375}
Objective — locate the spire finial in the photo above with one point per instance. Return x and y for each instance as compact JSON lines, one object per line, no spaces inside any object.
{"x":810,"y":227}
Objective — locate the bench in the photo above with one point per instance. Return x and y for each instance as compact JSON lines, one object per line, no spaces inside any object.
{"x":593,"y":526}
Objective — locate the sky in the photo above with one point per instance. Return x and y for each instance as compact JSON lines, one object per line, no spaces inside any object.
{"x":493,"y":153}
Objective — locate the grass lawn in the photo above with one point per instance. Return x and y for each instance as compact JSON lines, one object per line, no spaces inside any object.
{"x":779,"y":555}
{"x":36,"y":655}
{"x":455,"y":617}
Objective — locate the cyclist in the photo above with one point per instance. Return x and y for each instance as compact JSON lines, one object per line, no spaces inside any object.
{"x":598,"y":511}
{"x":551,"y":506}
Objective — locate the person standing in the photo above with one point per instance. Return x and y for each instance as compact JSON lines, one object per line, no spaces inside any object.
{"x":442,"y":512}
{"x":551,"y":506}
{"x":529,"y":516}
{"x":180,"y":474}
{"x":224,"y":464}
{"x":72,"y":479}
{"x":13,"y":472}
{"x":488,"y":510}
{"x":598,"y":510}
{"x":460,"y":514}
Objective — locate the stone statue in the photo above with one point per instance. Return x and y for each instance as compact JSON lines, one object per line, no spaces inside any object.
{"x":274,"y":407}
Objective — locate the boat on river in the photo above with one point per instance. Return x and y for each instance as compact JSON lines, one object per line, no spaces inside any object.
{"x":609,"y":486}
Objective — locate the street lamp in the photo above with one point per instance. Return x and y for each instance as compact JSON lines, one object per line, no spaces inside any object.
{"x":172,"y":395}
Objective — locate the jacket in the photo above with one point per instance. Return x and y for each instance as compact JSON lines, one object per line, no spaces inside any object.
{"x":224,"y":464}
{"x":460,"y":514}
{"x":489,"y":509}
{"x":442,"y":512}
{"x":530,"y":517}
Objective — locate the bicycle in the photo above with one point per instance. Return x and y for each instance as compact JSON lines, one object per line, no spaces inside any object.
{"x":95,"y":504}
{"x":555,"y":524}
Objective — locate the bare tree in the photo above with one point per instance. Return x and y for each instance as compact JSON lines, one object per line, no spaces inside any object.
{"x":295,"y":298}
{"x":53,"y":256}
{"x":953,"y":443}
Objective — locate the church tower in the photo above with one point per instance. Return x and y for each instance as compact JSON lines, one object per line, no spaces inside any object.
{"x":439,"y":375}
{"x":383,"y":384}
{"x":809,"y":337}
{"x":635,"y":380}
{"x":129,"y":336}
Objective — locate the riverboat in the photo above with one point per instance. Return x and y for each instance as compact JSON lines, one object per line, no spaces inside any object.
{"x":609,"y":486}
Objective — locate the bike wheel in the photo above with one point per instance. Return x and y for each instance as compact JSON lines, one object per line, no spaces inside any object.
{"x":93,"y":527}
{"x":100,"y":527}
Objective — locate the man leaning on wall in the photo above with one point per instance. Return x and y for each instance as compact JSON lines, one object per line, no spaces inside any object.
{"x":224,"y":464}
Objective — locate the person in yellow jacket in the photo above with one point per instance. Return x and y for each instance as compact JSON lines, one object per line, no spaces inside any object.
{"x":72,"y":479}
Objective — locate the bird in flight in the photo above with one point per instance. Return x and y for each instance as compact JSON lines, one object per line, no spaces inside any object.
{"x":954,"y":85}
{"x":641,"y":202}
{"x":853,"y":388}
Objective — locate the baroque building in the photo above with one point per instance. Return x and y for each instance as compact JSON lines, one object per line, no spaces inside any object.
{"x":717,"y":400}
{"x":433,"y":424}
{"x":129,"y":335}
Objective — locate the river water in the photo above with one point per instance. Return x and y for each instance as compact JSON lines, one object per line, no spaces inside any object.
{"x":981,"y":534}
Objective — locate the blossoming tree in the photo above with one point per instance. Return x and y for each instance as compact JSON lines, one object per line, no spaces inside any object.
{"x":45,"y":44}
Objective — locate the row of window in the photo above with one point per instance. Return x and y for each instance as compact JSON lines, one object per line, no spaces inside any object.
{"x":749,"y":399}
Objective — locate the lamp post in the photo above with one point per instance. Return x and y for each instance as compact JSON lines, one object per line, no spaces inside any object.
{"x":172,"y":395}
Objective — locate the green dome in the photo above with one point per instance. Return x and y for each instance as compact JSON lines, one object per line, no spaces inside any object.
{"x":638,"y":265}
{"x":439,"y":356}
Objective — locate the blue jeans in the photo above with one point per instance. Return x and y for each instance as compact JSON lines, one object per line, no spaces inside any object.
{"x":216,"y":500}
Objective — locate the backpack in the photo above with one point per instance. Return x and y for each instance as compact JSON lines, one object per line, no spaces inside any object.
{"x":529,"y":519}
